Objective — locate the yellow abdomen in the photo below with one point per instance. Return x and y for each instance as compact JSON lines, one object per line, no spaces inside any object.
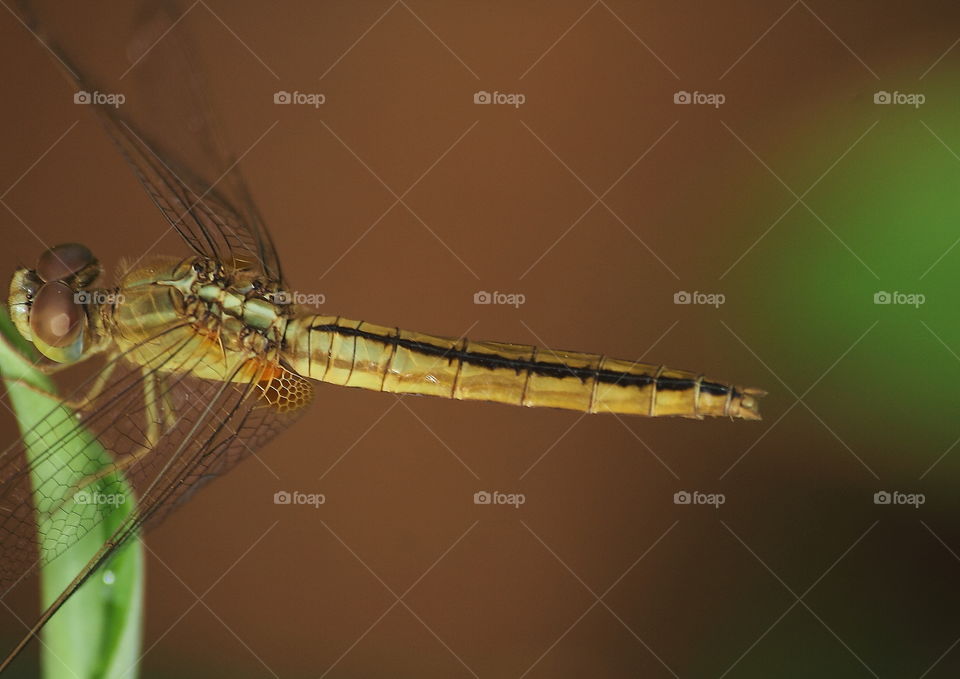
{"x":360,"y":354}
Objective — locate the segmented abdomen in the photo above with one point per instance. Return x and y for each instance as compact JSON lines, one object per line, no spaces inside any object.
{"x":360,"y":354}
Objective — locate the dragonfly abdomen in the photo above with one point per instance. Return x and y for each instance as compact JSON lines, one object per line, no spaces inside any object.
{"x":360,"y":354}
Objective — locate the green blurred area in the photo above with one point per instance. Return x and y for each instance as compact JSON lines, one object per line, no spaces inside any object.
{"x":889,"y":395}
{"x":893,"y":206}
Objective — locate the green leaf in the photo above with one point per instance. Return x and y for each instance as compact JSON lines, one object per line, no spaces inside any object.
{"x":97,"y":633}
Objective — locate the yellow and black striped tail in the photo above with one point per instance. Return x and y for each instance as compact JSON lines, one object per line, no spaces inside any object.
{"x":360,"y":354}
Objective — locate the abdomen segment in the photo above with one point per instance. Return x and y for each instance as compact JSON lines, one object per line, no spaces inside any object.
{"x":360,"y":354}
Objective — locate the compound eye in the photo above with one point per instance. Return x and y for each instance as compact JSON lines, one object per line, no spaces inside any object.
{"x":55,"y":318}
{"x":63,"y":261}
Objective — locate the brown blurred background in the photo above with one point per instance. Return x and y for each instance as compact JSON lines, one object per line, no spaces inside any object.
{"x":508,"y":204}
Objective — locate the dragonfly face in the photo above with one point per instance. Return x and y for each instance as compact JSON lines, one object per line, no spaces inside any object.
{"x":51,"y":306}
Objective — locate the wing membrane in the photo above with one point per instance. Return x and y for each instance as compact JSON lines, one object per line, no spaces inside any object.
{"x":156,"y":427}
{"x":167,"y":433}
{"x":166,"y":127}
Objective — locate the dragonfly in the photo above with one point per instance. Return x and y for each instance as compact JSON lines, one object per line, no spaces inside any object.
{"x":205,"y":356}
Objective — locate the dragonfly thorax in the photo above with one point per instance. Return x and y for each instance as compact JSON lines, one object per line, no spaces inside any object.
{"x":240,"y":311}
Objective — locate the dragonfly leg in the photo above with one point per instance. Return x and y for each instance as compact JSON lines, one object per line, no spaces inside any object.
{"x":169,"y":412}
{"x":153,"y":421}
{"x":26,"y":385}
{"x":99,"y":384}
{"x":161,"y":416}
{"x":52,"y":368}
{"x":73,"y":403}
{"x":153,"y":416}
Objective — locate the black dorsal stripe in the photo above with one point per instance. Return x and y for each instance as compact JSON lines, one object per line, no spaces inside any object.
{"x":519,"y":365}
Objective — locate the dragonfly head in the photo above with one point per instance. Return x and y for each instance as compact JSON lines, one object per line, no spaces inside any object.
{"x":49,"y":304}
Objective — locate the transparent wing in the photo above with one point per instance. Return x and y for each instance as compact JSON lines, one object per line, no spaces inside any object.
{"x":275,"y":406}
{"x":165,"y":126}
{"x":156,"y":429}
{"x":166,"y":431}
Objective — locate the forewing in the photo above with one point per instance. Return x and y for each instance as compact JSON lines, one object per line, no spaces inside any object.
{"x":165,"y":127}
